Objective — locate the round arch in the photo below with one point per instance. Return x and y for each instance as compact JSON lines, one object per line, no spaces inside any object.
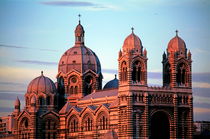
{"x":102,"y":120}
{"x":87,"y":122}
{"x":160,"y":125}
{"x":73,"y":123}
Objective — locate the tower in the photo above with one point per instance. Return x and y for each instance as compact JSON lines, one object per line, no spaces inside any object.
{"x":132,"y":67}
{"x":177,"y":64}
{"x":79,"y":70}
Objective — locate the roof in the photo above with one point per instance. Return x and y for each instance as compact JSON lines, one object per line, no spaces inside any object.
{"x":132,"y":42}
{"x":176,"y":44}
{"x":41,"y":84}
{"x":101,"y":94}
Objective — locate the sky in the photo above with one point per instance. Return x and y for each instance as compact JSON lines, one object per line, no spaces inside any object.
{"x":35,"y":33}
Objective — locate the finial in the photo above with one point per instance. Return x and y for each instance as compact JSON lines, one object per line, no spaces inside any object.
{"x":115,"y":76}
{"x":176,"y":32}
{"x":79,"y":15}
{"x":41,"y":73}
{"x":132,"y":29}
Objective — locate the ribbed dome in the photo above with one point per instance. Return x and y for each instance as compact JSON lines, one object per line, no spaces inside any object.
{"x":41,"y":84}
{"x":176,"y":44}
{"x":112,"y":84}
{"x":132,"y":42}
{"x":79,"y":58}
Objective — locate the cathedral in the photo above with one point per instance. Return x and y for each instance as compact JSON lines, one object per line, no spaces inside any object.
{"x":77,"y":106}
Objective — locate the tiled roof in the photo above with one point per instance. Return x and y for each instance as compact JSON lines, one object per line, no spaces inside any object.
{"x":101,"y":94}
{"x":65,"y":108}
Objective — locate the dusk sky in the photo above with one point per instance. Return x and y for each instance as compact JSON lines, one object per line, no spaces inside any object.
{"x":35,"y":34}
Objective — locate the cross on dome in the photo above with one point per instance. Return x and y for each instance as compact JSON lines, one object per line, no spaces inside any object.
{"x":132,"y":29}
{"x":176,"y":32}
{"x":79,"y":15}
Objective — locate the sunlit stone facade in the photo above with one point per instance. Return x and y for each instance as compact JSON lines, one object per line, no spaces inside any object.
{"x":77,"y":106}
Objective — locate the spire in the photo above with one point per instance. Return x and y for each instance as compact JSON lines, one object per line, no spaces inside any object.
{"x":41,"y":73}
{"x":132,"y":29}
{"x":17,"y":102}
{"x":79,"y":15}
{"x":115,"y":76}
{"x":177,"y":32}
{"x":79,"y":34}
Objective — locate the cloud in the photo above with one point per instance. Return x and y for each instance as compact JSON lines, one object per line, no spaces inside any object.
{"x":13,"y":46}
{"x":201,"y":84}
{"x":36,"y":62}
{"x":201,"y":92}
{"x":23,"y":47}
{"x":89,"y":5}
{"x":201,"y":110}
{"x":11,"y":96}
{"x":112,"y":71}
{"x":10,"y":83}
{"x":69,"y":3}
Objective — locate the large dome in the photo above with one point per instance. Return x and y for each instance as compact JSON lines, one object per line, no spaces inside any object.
{"x":132,"y":42}
{"x":41,"y":84}
{"x":80,"y":59}
{"x":176,"y":44}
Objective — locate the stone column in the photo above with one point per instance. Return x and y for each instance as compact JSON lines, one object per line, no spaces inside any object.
{"x":190,"y":118}
{"x":130,"y":117}
{"x":33,"y":125}
{"x":174,"y":126}
{"x":145,"y":117}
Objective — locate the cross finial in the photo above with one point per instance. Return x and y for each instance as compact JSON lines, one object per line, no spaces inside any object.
{"x":79,"y":15}
{"x":42,"y":73}
{"x":176,"y":32}
{"x":132,"y":29}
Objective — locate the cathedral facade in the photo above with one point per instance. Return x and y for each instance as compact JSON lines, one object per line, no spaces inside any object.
{"x":77,"y":107}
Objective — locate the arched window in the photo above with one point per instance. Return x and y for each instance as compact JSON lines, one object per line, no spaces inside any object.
{"x":73,"y":124}
{"x":48,"y":100}
{"x":88,"y":84}
{"x":41,"y":101}
{"x":75,"y":89}
{"x":71,"y":90}
{"x":50,"y":128}
{"x":102,"y":121}
{"x":87,"y":123}
{"x":27,"y":101}
{"x":24,"y":129}
{"x":167,"y":77}
{"x":137,"y":71}
{"x":181,"y":74}
{"x":124,"y":71}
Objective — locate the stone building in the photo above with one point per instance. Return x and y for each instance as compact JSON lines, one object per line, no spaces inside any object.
{"x":77,"y":106}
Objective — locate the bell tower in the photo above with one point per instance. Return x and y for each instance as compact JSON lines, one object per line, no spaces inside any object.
{"x":132,"y":67}
{"x":177,"y":64}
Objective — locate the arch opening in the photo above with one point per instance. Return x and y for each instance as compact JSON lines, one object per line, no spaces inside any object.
{"x":160,"y":126}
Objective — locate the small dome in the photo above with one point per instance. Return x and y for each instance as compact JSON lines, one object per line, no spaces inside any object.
{"x":176,"y":44}
{"x":132,"y":42}
{"x":17,"y":102}
{"x":112,"y":84}
{"x":79,"y":30}
{"x":41,"y":84}
{"x":79,"y":58}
